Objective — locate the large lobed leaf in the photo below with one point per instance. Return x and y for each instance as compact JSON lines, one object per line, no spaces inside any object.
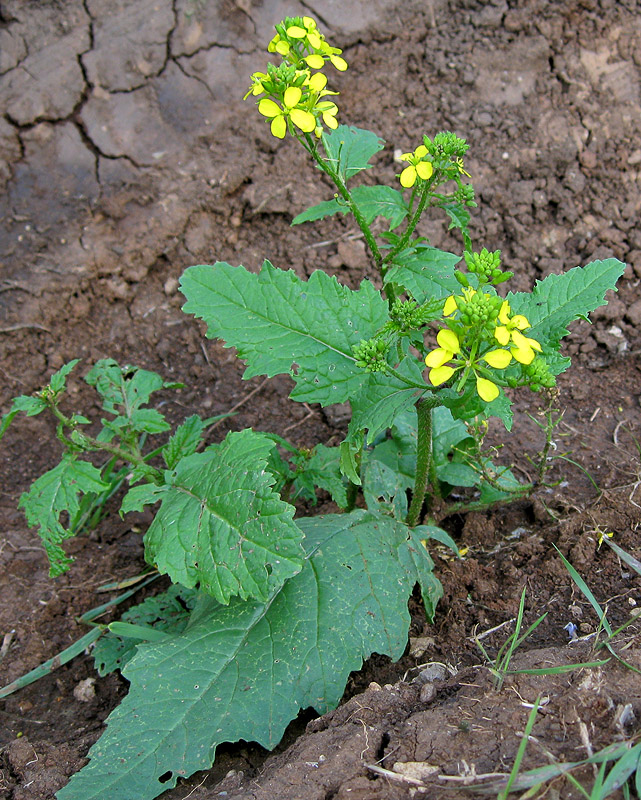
{"x":220,"y":525}
{"x":244,"y":670}
{"x":54,"y":493}
{"x":282,"y":325}
{"x":426,"y":272}
{"x":559,"y":299}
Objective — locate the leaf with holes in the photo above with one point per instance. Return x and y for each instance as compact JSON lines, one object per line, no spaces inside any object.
{"x":243,"y":671}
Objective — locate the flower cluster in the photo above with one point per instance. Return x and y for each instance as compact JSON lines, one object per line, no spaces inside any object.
{"x":487,"y":266}
{"x":476,"y":323}
{"x":294,"y":95}
{"x":370,"y":355}
{"x":442,"y":157}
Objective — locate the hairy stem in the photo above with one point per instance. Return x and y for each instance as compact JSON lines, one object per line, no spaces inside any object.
{"x":424,"y":408}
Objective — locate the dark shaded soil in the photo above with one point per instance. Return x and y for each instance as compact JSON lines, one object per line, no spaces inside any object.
{"x":126,"y":155}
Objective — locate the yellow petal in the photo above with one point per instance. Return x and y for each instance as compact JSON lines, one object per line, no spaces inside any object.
{"x":309,"y":23}
{"x":523,"y":341}
{"x":408,"y":177}
{"x":315,"y":62}
{"x":424,"y":169}
{"x":304,"y":120}
{"x":487,"y":390}
{"x":440,"y":375}
{"x":339,"y":63}
{"x":521,"y":322}
{"x":279,"y":127}
{"x":504,"y":313}
{"x":318,"y":81}
{"x":296,"y":32}
{"x":282,"y":48}
{"x":268,"y":108}
{"x":420,"y":151}
{"x":448,"y":340}
{"x":330,"y":121}
{"x":438,"y":357}
{"x":502,"y":335}
{"x":314,"y":40}
{"x":292,"y":96}
{"x":499,"y":359}
{"x":450,"y":306}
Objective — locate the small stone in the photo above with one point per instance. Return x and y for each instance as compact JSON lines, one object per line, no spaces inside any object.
{"x":428,"y":693}
{"x":633,"y":313}
{"x":85,"y":692}
{"x":171,"y":286}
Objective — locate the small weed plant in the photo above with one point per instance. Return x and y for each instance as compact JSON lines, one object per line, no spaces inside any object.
{"x":268,"y":614}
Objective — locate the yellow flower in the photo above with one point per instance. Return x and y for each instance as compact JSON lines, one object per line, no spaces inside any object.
{"x":437,"y":359}
{"x":328,"y":111}
{"x":418,"y":168}
{"x":303,"y":119}
{"x":510,"y":331}
{"x":523,"y":350}
{"x":450,"y":306}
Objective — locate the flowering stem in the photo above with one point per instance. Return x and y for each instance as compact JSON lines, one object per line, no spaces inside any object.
{"x":344,"y":192}
{"x":424,"y":458}
{"x":425,"y":195}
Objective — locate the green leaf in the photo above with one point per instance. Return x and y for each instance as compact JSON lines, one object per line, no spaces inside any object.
{"x":58,"y":380}
{"x":243,"y":671}
{"x":372,"y":201}
{"x":350,"y":149}
{"x":31,"y":406}
{"x":383,"y":398}
{"x":282,"y":325}
{"x":458,"y":214}
{"x":559,"y":299}
{"x":167,"y":612}
{"x":390,"y":467}
{"x":184,"y":441}
{"x":54,"y":493}
{"x":325,"y":209}
{"x":220,"y":524}
{"x":322,"y":468}
{"x":426,"y":272}
{"x":428,"y":532}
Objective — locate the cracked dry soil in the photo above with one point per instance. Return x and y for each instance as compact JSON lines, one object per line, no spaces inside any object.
{"x":126,"y":155}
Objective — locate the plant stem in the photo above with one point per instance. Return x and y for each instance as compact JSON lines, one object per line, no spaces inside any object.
{"x":89,"y":443}
{"x":411,"y":225}
{"x":424,"y":408}
{"x":347,"y":197}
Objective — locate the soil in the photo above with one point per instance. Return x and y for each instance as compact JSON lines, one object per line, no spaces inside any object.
{"x":126,"y":155}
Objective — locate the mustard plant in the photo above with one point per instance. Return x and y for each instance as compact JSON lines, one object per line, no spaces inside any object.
{"x":268,"y":613}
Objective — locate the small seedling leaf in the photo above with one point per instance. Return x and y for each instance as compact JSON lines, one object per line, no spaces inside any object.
{"x":53,"y":493}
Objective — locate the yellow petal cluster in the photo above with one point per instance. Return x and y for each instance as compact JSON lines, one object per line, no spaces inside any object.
{"x":418,"y":167}
{"x":509,"y":333}
{"x":295,"y":96}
